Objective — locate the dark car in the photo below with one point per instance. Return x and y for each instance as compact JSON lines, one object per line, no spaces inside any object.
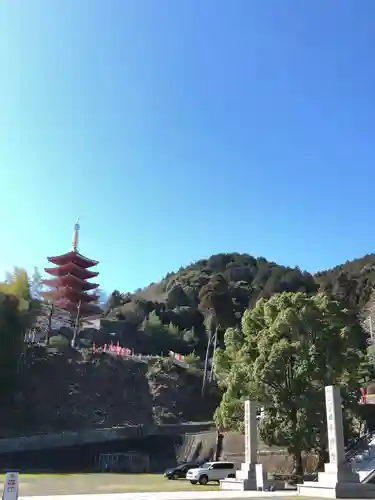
{"x":180,"y":471}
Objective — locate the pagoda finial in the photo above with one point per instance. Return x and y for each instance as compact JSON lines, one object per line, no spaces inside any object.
{"x":75,"y":236}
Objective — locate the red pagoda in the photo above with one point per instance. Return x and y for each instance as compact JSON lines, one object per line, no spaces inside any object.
{"x":69,"y":289}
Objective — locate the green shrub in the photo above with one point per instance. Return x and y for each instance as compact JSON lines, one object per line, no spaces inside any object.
{"x":192,"y":360}
{"x":58,"y":340}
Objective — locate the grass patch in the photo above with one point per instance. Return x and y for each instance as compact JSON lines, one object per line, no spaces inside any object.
{"x":26,"y":475}
{"x":80,"y":484}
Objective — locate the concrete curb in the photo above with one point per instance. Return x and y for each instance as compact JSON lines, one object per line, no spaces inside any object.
{"x":170,"y":495}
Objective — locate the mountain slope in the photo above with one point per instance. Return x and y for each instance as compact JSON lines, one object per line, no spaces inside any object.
{"x":174,"y":314}
{"x":182,"y":299}
{"x":352,"y":282}
{"x":237,"y":281}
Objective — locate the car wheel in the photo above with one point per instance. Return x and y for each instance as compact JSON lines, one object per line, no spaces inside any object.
{"x":203,"y":479}
{"x":175,"y":476}
{"x":193,"y":482}
{"x":170,"y":478}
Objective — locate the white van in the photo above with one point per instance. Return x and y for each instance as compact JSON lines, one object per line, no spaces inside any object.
{"x":211,"y":471}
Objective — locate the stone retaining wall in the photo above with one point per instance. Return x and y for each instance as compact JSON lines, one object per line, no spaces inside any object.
{"x":64,"y":439}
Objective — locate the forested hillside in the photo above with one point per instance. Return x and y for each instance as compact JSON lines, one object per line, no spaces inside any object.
{"x":177,"y":312}
{"x":352,"y":282}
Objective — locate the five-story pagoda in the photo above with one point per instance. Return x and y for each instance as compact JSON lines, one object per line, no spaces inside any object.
{"x":69,"y":289}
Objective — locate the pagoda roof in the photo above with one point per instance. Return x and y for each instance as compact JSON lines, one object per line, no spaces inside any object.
{"x":73,"y":257}
{"x":70,"y":295}
{"x":71,"y":281}
{"x":71,"y":268}
{"x":86,"y":310}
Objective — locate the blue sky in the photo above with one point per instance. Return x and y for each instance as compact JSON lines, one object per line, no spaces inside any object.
{"x":179,"y":129}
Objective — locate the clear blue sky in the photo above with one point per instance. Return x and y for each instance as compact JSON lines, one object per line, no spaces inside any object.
{"x":177,"y":129}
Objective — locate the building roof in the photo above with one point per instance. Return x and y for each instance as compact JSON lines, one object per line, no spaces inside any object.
{"x":71,"y":295}
{"x":71,"y":268}
{"x":71,"y":281}
{"x":73,"y":257}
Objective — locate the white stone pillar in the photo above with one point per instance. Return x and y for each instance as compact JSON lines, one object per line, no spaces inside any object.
{"x":338,"y":480}
{"x":337,"y":470}
{"x":247,"y":473}
{"x":246,"y":476}
{"x":335,"y":429}
{"x":251,"y":432}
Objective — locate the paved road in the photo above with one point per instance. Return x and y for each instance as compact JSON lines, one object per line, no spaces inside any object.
{"x":171,"y":495}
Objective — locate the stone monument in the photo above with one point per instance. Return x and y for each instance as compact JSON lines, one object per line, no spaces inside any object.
{"x":246,"y":476}
{"x":251,"y":432}
{"x":338,"y":480}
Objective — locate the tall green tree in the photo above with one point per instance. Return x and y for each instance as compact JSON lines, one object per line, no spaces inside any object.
{"x":17,"y":283}
{"x":27,"y":290}
{"x":290,"y":347}
{"x":12,"y":329}
{"x":163,"y":338}
{"x":215,"y":299}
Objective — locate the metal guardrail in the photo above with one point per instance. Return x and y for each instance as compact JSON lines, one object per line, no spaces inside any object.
{"x":355,"y":448}
{"x":358,"y":449}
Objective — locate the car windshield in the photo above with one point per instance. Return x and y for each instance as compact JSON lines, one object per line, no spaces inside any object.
{"x":206,"y":465}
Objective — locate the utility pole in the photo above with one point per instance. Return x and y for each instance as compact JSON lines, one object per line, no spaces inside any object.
{"x":206,"y":363}
{"x":367,"y":323}
{"x":371,"y":332}
{"x":76,"y":326}
{"x":51,"y":310}
{"x":213,"y":355}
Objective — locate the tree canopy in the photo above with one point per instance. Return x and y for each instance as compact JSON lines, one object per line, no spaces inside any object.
{"x":12,"y":328}
{"x":289,"y":347}
{"x":352,"y":282}
{"x":19,"y":305}
{"x":214,"y":291}
{"x":284,"y":334}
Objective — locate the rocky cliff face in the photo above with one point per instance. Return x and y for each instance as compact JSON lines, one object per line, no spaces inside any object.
{"x":176,"y":394}
{"x":65,"y":390}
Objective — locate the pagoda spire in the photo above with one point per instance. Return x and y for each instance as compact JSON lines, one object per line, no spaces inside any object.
{"x":69,"y":287}
{"x":76,"y":236}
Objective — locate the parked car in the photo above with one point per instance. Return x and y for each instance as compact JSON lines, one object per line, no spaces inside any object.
{"x":180,"y":471}
{"x":211,"y":471}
